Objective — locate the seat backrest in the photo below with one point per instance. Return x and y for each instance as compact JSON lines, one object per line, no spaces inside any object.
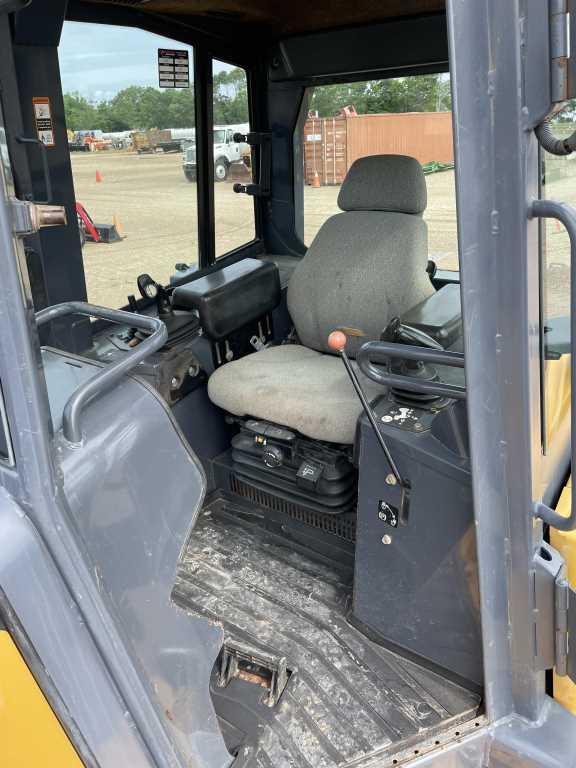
{"x":367,"y":264}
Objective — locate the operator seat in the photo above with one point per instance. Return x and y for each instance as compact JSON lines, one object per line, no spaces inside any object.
{"x":364,"y":267}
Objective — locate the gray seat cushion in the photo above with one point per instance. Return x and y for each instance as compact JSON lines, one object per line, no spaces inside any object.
{"x":384,"y":183}
{"x":366,"y":265}
{"x":294,"y":386}
{"x":362,"y":269}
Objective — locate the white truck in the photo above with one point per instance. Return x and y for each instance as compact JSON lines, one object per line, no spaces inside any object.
{"x":226,"y":152}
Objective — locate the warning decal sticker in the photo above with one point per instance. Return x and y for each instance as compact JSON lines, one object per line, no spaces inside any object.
{"x":173,"y":68}
{"x":43,"y":119}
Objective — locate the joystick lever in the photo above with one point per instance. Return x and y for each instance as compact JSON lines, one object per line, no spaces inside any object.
{"x":337,"y":343}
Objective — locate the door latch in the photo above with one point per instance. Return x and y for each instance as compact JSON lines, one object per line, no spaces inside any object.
{"x":29,"y":218}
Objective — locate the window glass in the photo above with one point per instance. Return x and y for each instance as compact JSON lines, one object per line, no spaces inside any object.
{"x":234,"y":213}
{"x":128,"y":137}
{"x":5,"y":440}
{"x":408,"y":116}
{"x":558,"y":183}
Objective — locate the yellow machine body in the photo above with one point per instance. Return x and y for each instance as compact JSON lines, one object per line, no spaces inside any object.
{"x":30,"y":733}
{"x":565,"y":543}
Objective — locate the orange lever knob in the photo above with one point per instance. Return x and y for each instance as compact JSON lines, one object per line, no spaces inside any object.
{"x":337,"y":341}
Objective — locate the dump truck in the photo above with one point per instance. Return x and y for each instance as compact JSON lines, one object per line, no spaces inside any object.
{"x":309,"y":505}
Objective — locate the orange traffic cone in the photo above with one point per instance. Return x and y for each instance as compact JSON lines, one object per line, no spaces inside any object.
{"x":118,"y":225}
{"x":98,"y":177}
{"x":315,"y":180}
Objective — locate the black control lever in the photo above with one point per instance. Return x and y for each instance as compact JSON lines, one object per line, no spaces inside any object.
{"x":337,"y":343}
{"x":397,"y":331}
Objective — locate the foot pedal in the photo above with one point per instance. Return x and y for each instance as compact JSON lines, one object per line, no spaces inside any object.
{"x":256,"y":667}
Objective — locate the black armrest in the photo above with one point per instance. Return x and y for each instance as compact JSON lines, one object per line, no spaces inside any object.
{"x":231,"y":297}
{"x":439,"y":316}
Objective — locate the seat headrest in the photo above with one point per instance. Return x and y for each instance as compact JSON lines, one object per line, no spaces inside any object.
{"x":384,"y":183}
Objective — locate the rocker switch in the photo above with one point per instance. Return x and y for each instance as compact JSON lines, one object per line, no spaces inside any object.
{"x":309,"y":474}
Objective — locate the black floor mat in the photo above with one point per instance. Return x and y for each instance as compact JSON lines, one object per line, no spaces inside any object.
{"x":347,"y":698}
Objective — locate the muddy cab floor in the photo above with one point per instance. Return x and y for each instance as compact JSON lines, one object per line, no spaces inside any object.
{"x":297,"y":685}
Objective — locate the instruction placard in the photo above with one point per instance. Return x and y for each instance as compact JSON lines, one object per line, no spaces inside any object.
{"x":43,"y":119}
{"x":173,"y":68}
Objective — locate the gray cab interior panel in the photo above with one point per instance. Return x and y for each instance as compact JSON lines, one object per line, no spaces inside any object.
{"x":134,"y":490}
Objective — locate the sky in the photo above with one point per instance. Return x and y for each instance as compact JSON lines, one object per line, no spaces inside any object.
{"x":99,"y":60}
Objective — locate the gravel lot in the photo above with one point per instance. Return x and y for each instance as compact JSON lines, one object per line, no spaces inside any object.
{"x":156,"y":208}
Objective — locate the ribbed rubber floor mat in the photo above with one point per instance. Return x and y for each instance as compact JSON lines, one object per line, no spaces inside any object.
{"x":347,"y":698}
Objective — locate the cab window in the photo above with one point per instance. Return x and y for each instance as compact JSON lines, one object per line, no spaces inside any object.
{"x":408,"y":116}
{"x":233,"y":213}
{"x":130,"y":120}
{"x":558,"y":177}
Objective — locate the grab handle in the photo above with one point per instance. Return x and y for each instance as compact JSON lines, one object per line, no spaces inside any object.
{"x":45,"y":166}
{"x":381,"y":351}
{"x":549,"y":209}
{"x":111,"y":374}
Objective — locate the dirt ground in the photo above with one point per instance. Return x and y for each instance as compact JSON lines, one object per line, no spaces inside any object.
{"x":156,"y":209}
{"x":148,"y":196}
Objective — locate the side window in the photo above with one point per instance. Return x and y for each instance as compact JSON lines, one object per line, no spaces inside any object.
{"x":129,"y":130}
{"x":6,"y":454}
{"x":558,"y":175}
{"x":233,"y":213}
{"x":409,"y":116}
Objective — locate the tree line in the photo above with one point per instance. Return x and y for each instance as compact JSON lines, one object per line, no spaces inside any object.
{"x":424,"y":93}
{"x":140,"y":108}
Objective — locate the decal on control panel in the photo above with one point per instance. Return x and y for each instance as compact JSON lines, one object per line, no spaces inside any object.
{"x":388,"y":514}
{"x":401,"y":415}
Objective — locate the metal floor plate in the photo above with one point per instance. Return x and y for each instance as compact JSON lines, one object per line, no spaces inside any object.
{"x":348,"y":699}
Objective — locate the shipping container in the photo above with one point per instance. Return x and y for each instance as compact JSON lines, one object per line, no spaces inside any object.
{"x":331,"y":144}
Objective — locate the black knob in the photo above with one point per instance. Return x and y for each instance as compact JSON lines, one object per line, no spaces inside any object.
{"x":272,"y":456}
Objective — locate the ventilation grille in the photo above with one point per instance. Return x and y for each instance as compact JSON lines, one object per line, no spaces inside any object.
{"x":338,"y":525}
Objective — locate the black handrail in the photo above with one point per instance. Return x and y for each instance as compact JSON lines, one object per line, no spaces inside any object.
{"x":381,"y":351}
{"x":549,"y":209}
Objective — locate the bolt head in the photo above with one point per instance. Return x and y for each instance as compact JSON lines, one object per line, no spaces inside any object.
{"x":386,"y":539}
{"x":390,"y":479}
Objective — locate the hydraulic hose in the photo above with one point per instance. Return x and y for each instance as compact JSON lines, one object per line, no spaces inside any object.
{"x":552,"y":143}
